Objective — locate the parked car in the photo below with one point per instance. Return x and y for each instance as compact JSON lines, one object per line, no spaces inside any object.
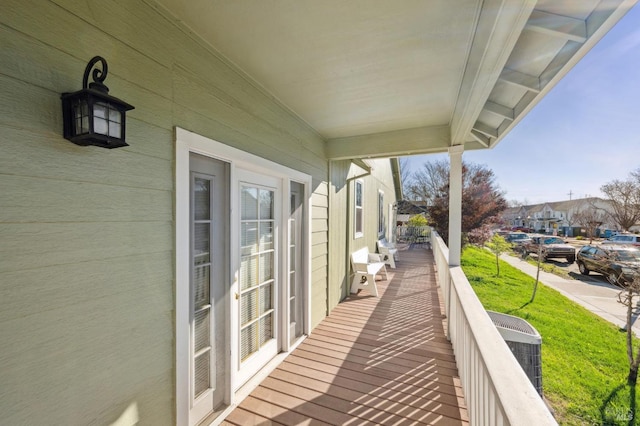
{"x":617,"y":263}
{"x":625,"y":239}
{"x":502,"y":233}
{"x":550,"y":247}
{"x":517,"y":238}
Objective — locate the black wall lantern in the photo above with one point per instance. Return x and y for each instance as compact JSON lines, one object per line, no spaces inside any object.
{"x":92,"y":116}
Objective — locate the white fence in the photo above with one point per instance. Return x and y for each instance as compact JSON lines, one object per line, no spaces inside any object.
{"x":413,"y":234}
{"x":496,"y":389}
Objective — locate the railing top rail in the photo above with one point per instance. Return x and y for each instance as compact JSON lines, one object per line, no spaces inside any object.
{"x":503,"y":369}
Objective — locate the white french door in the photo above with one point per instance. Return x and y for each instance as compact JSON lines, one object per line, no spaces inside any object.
{"x":208,"y":288}
{"x":259,"y":280}
{"x":242,"y":271}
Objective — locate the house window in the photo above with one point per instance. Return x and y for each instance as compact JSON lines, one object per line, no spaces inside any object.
{"x":359,"y":215}
{"x":380,"y":213}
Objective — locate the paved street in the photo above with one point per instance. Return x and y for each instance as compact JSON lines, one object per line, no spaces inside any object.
{"x":593,"y":292}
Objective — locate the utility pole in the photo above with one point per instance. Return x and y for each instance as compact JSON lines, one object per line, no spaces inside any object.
{"x":570,"y":194}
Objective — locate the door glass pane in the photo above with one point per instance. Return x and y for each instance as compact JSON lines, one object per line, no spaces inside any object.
{"x":201,"y":374}
{"x":248,"y":272}
{"x":201,"y":286}
{"x":266,"y":267}
{"x":248,"y":341}
{"x":266,"y":329}
{"x":249,"y":237}
{"x":266,"y":302}
{"x":266,"y":236}
{"x":201,"y":199}
{"x":256,"y":269}
{"x":201,"y":327}
{"x":201,"y":243}
{"x":249,"y":303}
{"x":249,"y":200}
{"x":266,"y":204}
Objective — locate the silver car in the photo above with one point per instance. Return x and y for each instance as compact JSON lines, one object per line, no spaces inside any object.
{"x":625,"y":239}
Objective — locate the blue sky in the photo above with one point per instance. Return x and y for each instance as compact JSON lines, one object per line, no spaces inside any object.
{"x":583,"y":134}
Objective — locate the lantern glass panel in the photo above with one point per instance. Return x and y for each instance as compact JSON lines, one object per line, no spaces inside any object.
{"x":107,"y":119}
{"x":81,"y":116}
{"x":114,"y":122}
{"x":100,"y":118}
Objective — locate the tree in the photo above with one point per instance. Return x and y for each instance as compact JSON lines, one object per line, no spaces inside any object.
{"x":482,"y":199}
{"x":498,"y":245}
{"x":590,"y":217}
{"x":518,"y":203}
{"x":480,"y":236}
{"x":626,"y":297}
{"x":405,"y":173}
{"x":535,"y":285}
{"x":624,"y":197}
{"x":429,"y":181}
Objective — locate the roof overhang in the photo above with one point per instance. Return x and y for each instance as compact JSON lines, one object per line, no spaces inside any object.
{"x":385,"y":79}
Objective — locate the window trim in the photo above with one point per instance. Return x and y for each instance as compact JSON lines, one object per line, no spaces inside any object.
{"x":358,"y":208}
{"x":380,"y":213}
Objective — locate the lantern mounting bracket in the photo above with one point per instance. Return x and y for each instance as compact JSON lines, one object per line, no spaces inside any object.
{"x":99,"y":75}
{"x":91,"y":116}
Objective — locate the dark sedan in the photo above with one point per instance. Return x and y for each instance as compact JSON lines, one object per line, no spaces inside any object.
{"x":619,"y":264}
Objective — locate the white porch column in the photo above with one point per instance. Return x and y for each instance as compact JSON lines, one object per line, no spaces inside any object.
{"x":455,"y":204}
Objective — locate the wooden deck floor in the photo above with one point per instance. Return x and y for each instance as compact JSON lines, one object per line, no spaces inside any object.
{"x":372,"y":361}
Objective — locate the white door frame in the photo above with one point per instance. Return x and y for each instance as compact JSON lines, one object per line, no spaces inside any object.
{"x":187,"y":142}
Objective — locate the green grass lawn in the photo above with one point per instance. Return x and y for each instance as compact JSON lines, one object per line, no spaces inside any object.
{"x":584,"y":362}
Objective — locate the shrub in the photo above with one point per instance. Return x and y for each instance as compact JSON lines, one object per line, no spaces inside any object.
{"x":418,"y":220}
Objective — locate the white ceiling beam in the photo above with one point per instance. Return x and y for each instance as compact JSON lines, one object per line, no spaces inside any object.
{"x":499,"y":25}
{"x":421,"y":140}
{"x":517,"y":78}
{"x":560,"y":26}
{"x":480,"y":138}
{"x":564,"y":55}
{"x":506,"y":124}
{"x":499,"y":110}
{"x":487,"y":130}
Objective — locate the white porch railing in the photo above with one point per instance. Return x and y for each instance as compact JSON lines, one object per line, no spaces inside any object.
{"x":496,"y":389}
{"x":412,"y":234}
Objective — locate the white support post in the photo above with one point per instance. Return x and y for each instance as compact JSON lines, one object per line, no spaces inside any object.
{"x":455,"y":204}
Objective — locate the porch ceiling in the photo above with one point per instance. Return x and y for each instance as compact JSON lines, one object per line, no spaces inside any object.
{"x":381,"y":78}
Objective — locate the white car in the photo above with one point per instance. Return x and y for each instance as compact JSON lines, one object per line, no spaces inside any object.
{"x":625,"y":239}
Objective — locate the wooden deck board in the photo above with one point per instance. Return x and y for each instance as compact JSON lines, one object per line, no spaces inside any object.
{"x":381,"y":360}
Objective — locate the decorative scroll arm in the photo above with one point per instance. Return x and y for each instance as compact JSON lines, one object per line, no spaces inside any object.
{"x":98,"y":75}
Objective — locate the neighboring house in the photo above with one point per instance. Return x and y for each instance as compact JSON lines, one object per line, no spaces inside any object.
{"x":513,"y":217}
{"x":160,"y":281}
{"x":558,"y":217}
{"x":406,"y":209}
